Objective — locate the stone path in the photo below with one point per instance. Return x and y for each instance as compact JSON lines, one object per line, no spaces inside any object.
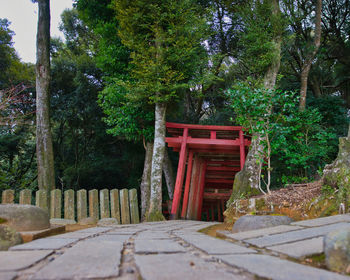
{"x":173,"y":250}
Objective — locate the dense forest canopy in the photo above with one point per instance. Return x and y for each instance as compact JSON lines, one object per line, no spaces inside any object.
{"x":190,"y":60}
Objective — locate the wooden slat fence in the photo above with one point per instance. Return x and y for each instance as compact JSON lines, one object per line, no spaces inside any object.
{"x":119,"y":204}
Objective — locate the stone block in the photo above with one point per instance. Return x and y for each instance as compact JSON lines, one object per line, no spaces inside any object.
{"x":104,"y":204}
{"x":157,"y":246}
{"x":337,"y":250}
{"x":323,"y":221}
{"x":124,"y":206}
{"x":24,"y":217}
{"x":8,"y":196}
{"x":16,"y":260}
{"x":300,"y":249}
{"x":56,"y":204}
{"x":8,"y":238}
{"x":69,"y":205}
{"x":85,"y":260}
{"x":115,"y":205}
{"x":254,"y":222}
{"x":93,"y":204}
{"x":212,"y":245}
{"x":269,"y":267}
{"x":134,"y":208}
{"x":107,"y":222}
{"x":41,"y":199}
{"x":183,"y":266}
{"x":81,"y":205}
{"x":297,"y":235}
{"x":25,"y":196}
{"x":45,"y":244}
{"x":258,"y":232}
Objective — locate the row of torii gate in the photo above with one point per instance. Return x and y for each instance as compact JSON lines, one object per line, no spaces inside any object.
{"x":210,"y":156}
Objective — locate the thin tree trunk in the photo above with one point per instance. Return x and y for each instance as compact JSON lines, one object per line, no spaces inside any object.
{"x":249,"y":177}
{"x":308,"y":60}
{"x":44,"y":150}
{"x":168,"y":174}
{"x":145,"y":186}
{"x":154,"y":212}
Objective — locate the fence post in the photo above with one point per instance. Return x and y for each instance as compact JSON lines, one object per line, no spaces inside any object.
{"x":134,"y":209}
{"x":41,"y":199}
{"x":56,"y":204}
{"x":81,"y":205}
{"x":124,"y":206}
{"x":115,"y":208}
{"x":93,"y":204}
{"x":104,"y":204}
{"x":25,"y":196}
{"x":8,"y":196}
{"x":69,"y":205}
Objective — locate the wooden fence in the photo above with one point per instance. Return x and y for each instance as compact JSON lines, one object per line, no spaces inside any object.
{"x":119,"y":204}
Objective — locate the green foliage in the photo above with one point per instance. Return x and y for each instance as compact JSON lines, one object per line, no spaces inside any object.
{"x":164,"y":38}
{"x":302,"y":143}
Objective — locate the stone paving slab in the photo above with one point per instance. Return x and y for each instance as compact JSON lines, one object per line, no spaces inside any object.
{"x":75,"y":234}
{"x":293,"y":236}
{"x":259,"y":232}
{"x":212,"y":245}
{"x":157,"y":246}
{"x":16,"y":260}
{"x":300,"y":248}
{"x":45,"y":244}
{"x":85,"y":260}
{"x":323,"y":221}
{"x":95,"y":230}
{"x":181,"y":266}
{"x":111,"y":238}
{"x":146,"y":235}
{"x":8,"y":275}
{"x":278,"y":269}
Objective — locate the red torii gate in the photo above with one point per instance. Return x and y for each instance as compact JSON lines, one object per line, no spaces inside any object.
{"x":214,"y":154}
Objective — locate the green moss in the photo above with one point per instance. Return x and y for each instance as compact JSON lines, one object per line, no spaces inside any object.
{"x":2,"y":221}
{"x":260,"y":203}
{"x":154,"y":216}
{"x":329,"y":210}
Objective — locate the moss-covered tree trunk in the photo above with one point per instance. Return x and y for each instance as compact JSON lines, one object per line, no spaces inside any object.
{"x":305,"y":69}
{"x":168,"y":174}
{"x":247,"y":181}
{"x":154,"y":212}
{"x":44,"y":150}
{"x":337,"y":174}
{"x":145,"y":185}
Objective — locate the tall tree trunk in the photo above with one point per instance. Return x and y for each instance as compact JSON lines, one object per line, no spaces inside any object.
{"x":248,"y":179}
{"x":154,"y":212}
{"x":308,"y":60}
{"x":145,"y":186}
{"x":44,"y":150}
{"x":168,"y":174}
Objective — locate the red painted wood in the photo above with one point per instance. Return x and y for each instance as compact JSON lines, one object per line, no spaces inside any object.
{"x":212,"y":134}
{"x":202,"y":127}
{"x":224,"y":162}
{"x":204,"y":142}
{"x":219,"y":212}
{"x":195,"y":187}
{"x":222,"y":168}
{"x":224,"y":181}
{"x":201,"y":191}
{"x":187,"y":184}
{"x":180,"y":175}
{"x":241,"y":148}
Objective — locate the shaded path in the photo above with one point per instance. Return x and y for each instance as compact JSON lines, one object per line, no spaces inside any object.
{"x":170,"y":250}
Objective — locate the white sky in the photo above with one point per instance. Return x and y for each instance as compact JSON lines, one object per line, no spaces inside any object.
{"x":23,"y":17}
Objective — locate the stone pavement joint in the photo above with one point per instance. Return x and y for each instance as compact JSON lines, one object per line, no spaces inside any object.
{"x":172,"y":250}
